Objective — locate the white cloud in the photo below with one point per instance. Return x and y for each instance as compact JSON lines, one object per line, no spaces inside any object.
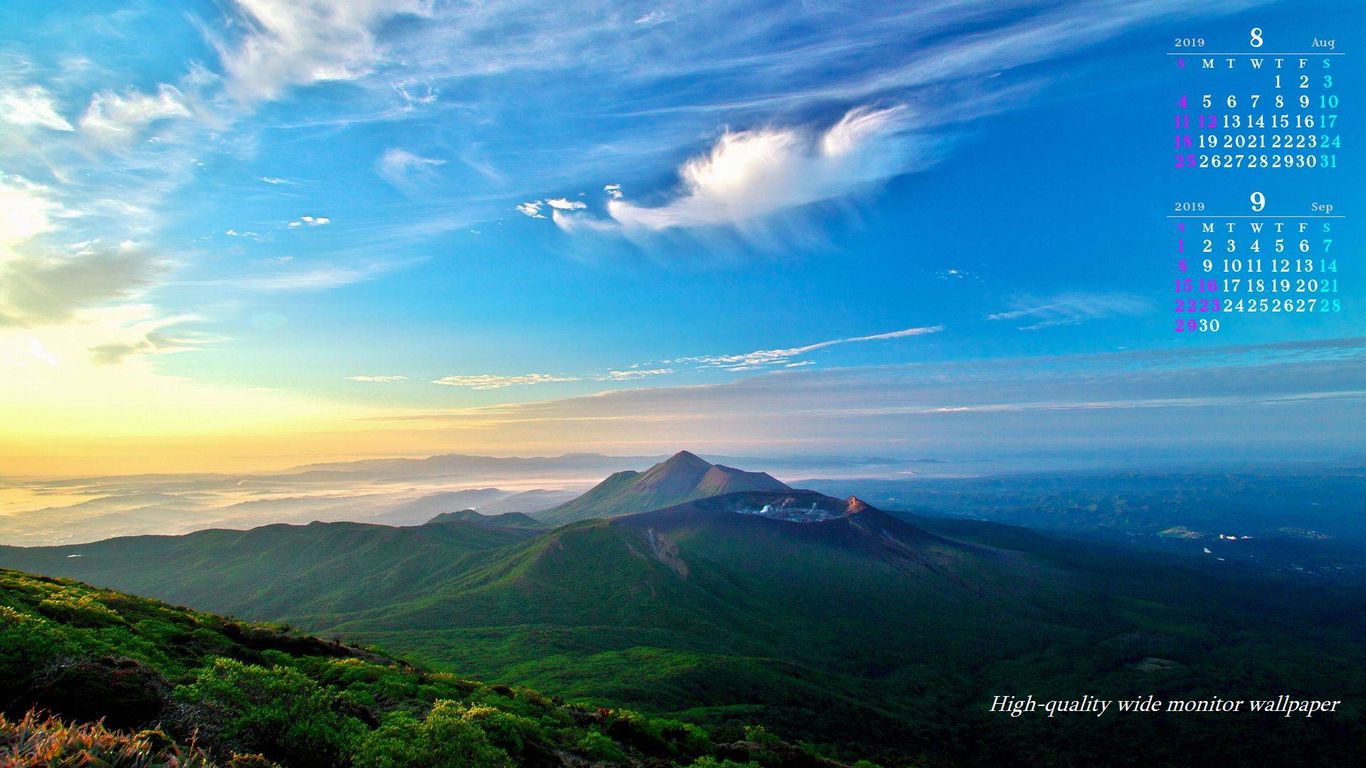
{"x":563,"y":204}
{"x":493,"y":381}
{"x":403,"y":168}
{"x":631,"y":374}
{"x":613,"y":191}
{"x":31,"y":105}
{"x":151,"y":336}
{"x":1071,"y":309}
{"x":532,"y":209}
{"x":1088,"y":405}
{"x":300,"y":42}
{"x":312,"y":277}
{"x":275,"y":180}
{"x":954,"y":273}
{"x":764,"y":358}
{"x":113,"y":117}
{"x":752,"y":174}
{"x":40,"y":285}
{"x":47,"y":290}
{"x":377,"y":379}
{"x":26,"y":211}
{"x":310,"y":221}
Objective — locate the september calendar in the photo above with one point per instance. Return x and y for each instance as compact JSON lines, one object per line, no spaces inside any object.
{"x":1255,"y":111}
{"x":658,"y":384}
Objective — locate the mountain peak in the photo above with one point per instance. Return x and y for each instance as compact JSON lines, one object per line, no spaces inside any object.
{"x":854,"y":505}
{"x":686,"y":459}
{"x":682,"y":477}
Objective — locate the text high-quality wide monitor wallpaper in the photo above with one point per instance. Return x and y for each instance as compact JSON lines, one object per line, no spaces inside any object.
{"x":682,"y":384}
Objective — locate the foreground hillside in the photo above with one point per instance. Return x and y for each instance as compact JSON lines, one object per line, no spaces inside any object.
{"x":824,"y":620}
{"x":228,"y":690}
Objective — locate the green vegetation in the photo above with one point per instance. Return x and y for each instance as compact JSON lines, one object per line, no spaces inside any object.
{"x":866,"y":636}
{"x":248,"y":695}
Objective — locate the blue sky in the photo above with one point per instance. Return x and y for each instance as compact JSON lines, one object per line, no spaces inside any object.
{"x":307,"y":216}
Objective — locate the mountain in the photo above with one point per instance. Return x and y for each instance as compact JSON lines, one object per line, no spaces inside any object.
{"x":682,"y":477}
{"x":486,"y":501}
{"x":306,"y":573}
{"x":824,"y":619}
{"x":120,"y":680}
{"x":501,"y":520}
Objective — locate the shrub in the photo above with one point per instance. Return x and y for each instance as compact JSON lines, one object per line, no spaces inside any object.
{"x":279,"y":712}
{"x":510,"y":732}
{"x":711,"y":762}
{"x":762,"y":736}
{"x":71,"y":607}
{"x":445,"y":739}
{"x":597,"y":746}
{"x":27,"y":642}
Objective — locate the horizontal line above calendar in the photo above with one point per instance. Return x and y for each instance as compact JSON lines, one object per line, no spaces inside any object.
{"x":1194,"y":53}
{"x":1250,"y":216}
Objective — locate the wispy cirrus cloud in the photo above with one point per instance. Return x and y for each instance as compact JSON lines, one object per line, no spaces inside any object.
{"x":484,"y":381}
{"x":1071,"y":308}
{"x":312,"y":276}
{"x":769,"y":358}
{"x":160,"y":335}
{"x":120,"y":117}
{"x":282,"y":43}
{"x":377,"y":379}
{"x":31,"y":105}
{"x":1119,"y":406}
{"x":765,"y":359}
{"x":405,"y":170}
{"x":633,"y":374}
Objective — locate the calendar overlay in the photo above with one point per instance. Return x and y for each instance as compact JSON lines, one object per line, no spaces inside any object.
{"x":1244,"y":117}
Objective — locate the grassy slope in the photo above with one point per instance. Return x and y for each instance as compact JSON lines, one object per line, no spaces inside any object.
{"x":828,"y":638}
{"x":89,"y":654}
{"x":827,"y":642}
{"x":282,"y":572}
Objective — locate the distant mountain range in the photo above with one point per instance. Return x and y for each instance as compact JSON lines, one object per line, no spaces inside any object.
{"x":682,"y":477}
{"x":711,"y":593}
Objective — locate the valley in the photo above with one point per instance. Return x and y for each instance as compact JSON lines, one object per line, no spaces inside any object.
{"x":825,"y":619}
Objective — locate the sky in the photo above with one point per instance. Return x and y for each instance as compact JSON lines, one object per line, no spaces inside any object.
{"x":250,"y":234}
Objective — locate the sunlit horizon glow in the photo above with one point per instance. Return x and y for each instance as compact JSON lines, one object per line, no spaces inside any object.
{"x":249,"y":235}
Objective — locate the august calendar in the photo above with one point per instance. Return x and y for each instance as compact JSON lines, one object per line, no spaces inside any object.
{"x":656,"y":384}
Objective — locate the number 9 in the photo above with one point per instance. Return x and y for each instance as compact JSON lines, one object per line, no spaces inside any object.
{"x":1258,"y":202}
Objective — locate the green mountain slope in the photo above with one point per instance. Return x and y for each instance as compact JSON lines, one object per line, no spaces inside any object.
{"x":306,"y":573}
{"x":236,"y":690}
{"x":683,"y":477}
{"x":503,"y":520}
{"x":856,"y":630}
